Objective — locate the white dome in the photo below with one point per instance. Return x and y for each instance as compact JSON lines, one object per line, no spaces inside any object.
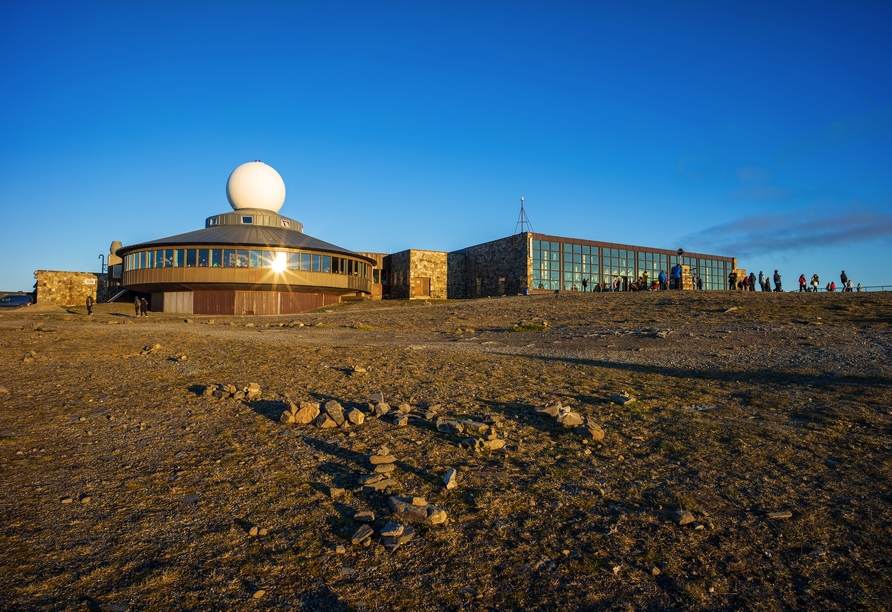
{"x":255,"y":185}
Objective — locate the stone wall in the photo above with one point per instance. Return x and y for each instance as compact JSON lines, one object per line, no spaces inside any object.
{"x":406,"y":267}
{"x":500,"y":267}
{"x":65,"y":288}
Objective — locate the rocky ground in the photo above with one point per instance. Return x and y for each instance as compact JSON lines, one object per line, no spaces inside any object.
{"x":696,"y":451}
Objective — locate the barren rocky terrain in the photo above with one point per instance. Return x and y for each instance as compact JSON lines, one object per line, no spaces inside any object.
{"x":711,"y":451}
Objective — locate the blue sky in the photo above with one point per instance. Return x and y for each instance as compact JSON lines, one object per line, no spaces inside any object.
{"x":761,"y":130}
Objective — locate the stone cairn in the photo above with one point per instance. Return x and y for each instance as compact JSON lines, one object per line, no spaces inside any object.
{"x":484,"y":435}
{"x":225,"y":391}
{"x":565,"y":416}
{"x":405,"y":509}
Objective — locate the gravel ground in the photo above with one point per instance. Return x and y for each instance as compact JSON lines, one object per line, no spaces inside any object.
{"x":752,"y":471}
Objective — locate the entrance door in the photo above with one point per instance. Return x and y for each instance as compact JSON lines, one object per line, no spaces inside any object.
{"x":421,"y":286}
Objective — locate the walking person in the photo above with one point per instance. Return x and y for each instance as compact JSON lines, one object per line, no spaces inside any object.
{"x":752,"y":286}
{"x":90,"y":305}
{"x":815,"y":283}
{"x":136,"y":306}
{"x":843,"y":279}
{"x":777,"y":282}
{"x":144,"y":307}
{"x":662,"y":278}
{"x":802,"y":284}
{"x":584,"y":285}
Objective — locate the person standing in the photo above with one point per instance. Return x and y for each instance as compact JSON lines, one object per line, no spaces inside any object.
{"x":136,"y":306}
{"x":144,"y":307}
{"x":662,"y":278}
{"x":90,"y":305}
{"x":752,"y":286}
{"x":859,"y":287}
{"x":777,"y":282}
{"x":584,"y":285}
{"x":676,"y":276}
{"x":699,"y":284}
{"x":815,"y":283}
{"x":802,"y":284}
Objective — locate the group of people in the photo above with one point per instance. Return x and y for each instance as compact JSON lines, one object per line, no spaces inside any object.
{"x":141,"y":307}
{"x":749,"y":283}
{"x":845,"y":284}
{"x":663,"y":282}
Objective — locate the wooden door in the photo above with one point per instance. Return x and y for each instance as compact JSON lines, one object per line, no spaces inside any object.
{"x":421,"y":286}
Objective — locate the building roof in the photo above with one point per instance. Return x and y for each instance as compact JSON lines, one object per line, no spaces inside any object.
{"x":243,"y":236}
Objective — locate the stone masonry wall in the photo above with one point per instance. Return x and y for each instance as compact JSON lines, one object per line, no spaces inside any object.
{"x":500,"y":267}
{"x":406,"y":266}
{"x":65,"y":288}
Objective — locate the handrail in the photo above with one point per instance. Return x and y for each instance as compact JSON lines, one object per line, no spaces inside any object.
{"x":117,"y":295}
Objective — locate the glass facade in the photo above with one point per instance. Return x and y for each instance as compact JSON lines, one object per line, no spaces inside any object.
{"x":564,"y":264}
{"x":245,"y":258}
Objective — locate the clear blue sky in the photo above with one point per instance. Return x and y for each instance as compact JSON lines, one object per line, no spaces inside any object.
{"x":761,"y":130}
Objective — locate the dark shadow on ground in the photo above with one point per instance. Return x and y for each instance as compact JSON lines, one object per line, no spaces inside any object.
{"x":271,"y":409}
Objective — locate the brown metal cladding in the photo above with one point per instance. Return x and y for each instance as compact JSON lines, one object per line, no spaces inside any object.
{"x":214,"y":302}
{"x":256,"y":303}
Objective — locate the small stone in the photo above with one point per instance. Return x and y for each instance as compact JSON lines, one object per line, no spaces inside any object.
{"x":324,"y":421}
{"x":435,"y":516}
{"x":655,"y":571}
{"x":377,"y":397}
{"x":307,"y":412}
{"x":549,"y":410}
{"x":378,"y":459}
{"x":355,"y":416}
{"x":335,"y":492}
{"x":590,"y":431}
{"x":570,"y":419}
{"x":86,"y":500}
{"x":66,"y":500}
{"x":364,"y":516}
{"x":286,"y":417}
{"x":370,"y":478}
{"x":419,"y":501}
{"x":494,"y":444}
{"x":401,"y":420}
{"x":452,"y":427}
{"x":260,"y":592}
{"x":781,"y":514}
{"x":392,"y":529}
{"x":405,"y":408}
{"x":383,"y":451}
{"x":378,"y":486}
{"x":451,"y":479}
{"x":363,"y":533}
{"x":335,"y":411}
{"x":340,"y":549}
{"x":404,"y":510}
{"x":681,"y":517}
{"x":253,"y":531}
{"x":384,"y":468}
{"x":622,"y":399}
{"x":475,"y":428}
{"x":381,"y":408}
{"x":359,"y":370}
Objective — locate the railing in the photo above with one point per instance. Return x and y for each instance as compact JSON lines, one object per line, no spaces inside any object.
{"x":117,"y":295}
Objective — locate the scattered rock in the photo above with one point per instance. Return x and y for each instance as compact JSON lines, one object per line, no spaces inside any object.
{"x":362,"y":534}
{"x":781,"y":514}
{"x":335,"y":411}
{"x":259,"y":593}
{"x":384,"y":468}
{"x":494,"y":444}
{"x":324,"y":421}
{"x":335,"y":492}
{"x":681,"y":517}
{"x":379,"y":459}
{"x":377,"y":398}
{"x":401,"y":420}
{"x":392,"y":529}
{"x":622,"y":399}
{"x":446,"y":426}
{"x":451,"y":479}
{"x":591,"y":431}
{"x":306,"y":413}
{"x":568,"y":418}
{"x":364,"y":516}
{"x":391,"y":543}
{"x":381,"y":409}
{"x":550,"y":410}
{"x":355,"y":416}
{"x":379,"y":485}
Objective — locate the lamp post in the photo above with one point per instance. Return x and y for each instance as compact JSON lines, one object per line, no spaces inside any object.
{"x":103,"y":269}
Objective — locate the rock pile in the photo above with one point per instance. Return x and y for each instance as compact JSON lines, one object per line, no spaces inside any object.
{"x":225,"y":391}
{"x":324,"y":416}
{"x":622,"y":398}
{"x":382,"y":464}
{"x":417,"y":510}
{"x":564,"y":415}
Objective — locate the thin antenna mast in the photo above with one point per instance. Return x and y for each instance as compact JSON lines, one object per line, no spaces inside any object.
{"x":523,"y":221}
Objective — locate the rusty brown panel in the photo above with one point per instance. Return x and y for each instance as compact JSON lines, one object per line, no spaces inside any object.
{"x":256,"y":302}
{"x":328,"y":300}
{"x":291,"y":303}
{"x":214,"y":302}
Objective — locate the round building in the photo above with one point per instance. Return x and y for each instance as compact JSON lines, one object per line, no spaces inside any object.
{"x":250,"y":261}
